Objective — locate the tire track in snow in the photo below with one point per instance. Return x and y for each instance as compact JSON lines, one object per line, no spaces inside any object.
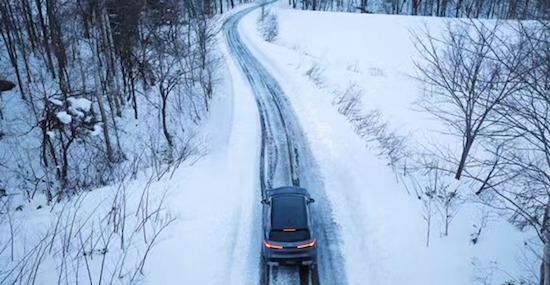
{"x":287,"y":160}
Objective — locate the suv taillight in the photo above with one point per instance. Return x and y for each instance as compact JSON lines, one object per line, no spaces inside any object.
{"x":274,"y":246}
{"x":309,"y":244}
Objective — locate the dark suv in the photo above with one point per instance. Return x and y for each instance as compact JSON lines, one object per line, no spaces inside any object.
{"x":288,"y":235}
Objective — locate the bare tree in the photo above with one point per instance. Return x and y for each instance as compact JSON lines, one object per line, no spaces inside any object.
{"x":465,"y":80}
{"x":525,"y":128}
{"x":508,"y":116}
{"x":168,"y":81}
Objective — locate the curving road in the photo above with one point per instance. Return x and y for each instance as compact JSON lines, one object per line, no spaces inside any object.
{"x":287,"y":160}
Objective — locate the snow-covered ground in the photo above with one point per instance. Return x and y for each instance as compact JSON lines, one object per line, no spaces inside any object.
{"x":213,"y":200}
{"x":211,"y":244}
{"x":382,"y":226}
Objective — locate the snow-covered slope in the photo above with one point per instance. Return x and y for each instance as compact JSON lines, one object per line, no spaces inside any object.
{"x":194,"y":224}
{"x":383,"y":227}
{"x":211,"y":244}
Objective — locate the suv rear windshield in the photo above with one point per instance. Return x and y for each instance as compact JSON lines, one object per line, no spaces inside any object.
{"x":282,"y":236}
{"x":288,"y":212}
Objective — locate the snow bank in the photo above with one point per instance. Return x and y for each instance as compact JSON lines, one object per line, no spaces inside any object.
{"x":216,"y":241}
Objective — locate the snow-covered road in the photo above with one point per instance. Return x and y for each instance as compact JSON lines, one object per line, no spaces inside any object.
{"x":287,"y":160}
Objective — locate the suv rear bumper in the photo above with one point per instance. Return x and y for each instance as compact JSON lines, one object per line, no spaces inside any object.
{"x":290,"y":256}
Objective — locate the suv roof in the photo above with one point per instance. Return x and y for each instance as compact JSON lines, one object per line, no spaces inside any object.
{"x":287,"y":190}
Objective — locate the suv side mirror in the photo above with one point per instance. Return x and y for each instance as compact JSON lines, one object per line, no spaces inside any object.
{"x":265,"y":202}
{"x":310,"y":200}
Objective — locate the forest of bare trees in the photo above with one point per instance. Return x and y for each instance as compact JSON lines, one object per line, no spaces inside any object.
{"x":84,"y":72}
{"x":505,"y":9}
{"x":489,"y":83}
{"x":96,"y":93}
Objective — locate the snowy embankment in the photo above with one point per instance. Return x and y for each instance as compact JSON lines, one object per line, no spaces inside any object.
{"x":319,"y":55}
{"x":212,"y":244}
{"x":191,"y":226}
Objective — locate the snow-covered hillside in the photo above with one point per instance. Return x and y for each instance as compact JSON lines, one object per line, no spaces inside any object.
{"x":319,"y":55}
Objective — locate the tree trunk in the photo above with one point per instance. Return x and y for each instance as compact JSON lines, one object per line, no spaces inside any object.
{"x":31,"y":31}
{"x":479,"y":8}
{"x":58,"y":47}
{"x":45,"y":37}
{"x":443,"y":9}
{"x":545,"y":264}
{"x":512,"y":9}
{"x":64,"y":177}
{"x":364,"y":6}
{"x":207,"y":7}
{"x":109,"y":46}
{"x":415,"y":4}
{"x":104,"y":120}
{"x":100,"y":86}
{"x":458,"y":8}
{"x":428,"y":229}
{"x":164,"y":108}
{"x":464,"y":156}
{"x":6,"y":19}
